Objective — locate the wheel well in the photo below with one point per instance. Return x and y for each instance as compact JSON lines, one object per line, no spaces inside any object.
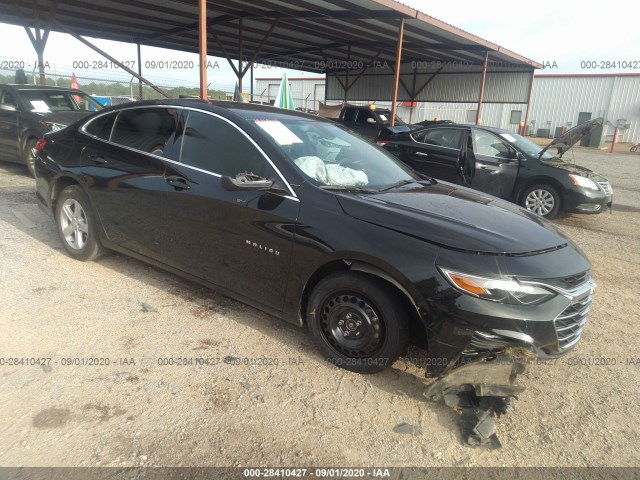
{"x":61,"y":184}
{"x":418,"y":334}
{"x":539,"y":181}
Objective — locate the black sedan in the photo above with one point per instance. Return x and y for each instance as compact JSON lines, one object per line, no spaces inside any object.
{"x":298,"y":217}
{"x":506,"y":165}
{"x":27,"y":112}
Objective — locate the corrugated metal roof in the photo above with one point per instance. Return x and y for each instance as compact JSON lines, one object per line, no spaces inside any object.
{"x":312,"y":35}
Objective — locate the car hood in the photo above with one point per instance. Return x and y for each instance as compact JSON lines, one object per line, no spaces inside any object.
{"x":576,"y":170}
{"x":458,"y":218}
{"x":63,"y":118}
{"x":567,"y":140}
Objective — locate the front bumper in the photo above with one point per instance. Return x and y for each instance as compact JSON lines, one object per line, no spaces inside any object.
{"x":463,"y":328}
{"x":587,"y":201}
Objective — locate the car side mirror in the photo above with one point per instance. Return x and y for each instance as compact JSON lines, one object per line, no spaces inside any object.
{"x":371,"y":120}
{"x":515,"y":155}
{"x":246,"y":182}
{"x":8,"y":108}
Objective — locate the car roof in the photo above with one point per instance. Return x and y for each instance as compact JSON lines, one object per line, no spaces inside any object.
{"x":17,"y":86}
{"x":214,"y":105}
{"x":368,"y":107}
{"x":467,"y":125}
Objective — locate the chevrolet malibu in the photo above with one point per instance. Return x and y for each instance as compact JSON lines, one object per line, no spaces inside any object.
{"x":300,"y":218}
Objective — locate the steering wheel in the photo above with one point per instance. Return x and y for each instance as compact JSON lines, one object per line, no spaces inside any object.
{"x":344,"y":159}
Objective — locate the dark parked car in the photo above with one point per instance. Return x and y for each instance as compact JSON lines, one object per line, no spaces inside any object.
{"x":27,"y":112}
{"x":300,"y":218}
{"x":428,"y":123}
{"x":506,"y":165}
{"x":367,"y":120}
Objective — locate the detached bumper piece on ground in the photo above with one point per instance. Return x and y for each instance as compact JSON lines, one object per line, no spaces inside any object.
{"x":480,"y":392}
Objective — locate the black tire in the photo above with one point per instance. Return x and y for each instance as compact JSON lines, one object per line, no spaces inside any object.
{"x":541,"y":199}
{"x":372,"y":315}
{"x":27,"y":156}
{"x":78,"y":229}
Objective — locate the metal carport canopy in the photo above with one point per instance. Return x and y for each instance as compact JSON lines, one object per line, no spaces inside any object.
{"x":313,"y":35}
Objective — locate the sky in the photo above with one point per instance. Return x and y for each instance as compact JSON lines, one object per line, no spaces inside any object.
{"x":562,"y":36}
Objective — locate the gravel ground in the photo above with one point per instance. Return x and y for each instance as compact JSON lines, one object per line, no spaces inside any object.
{"x":581,"y":411}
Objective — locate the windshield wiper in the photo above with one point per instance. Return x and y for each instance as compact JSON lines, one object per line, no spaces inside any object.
{"x":347,"y":188}
{"x":397,"y":184}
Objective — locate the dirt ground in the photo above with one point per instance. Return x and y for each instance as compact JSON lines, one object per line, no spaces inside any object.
{"x":267,"y":398}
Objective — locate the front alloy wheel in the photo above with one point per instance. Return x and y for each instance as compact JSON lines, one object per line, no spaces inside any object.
{"x":358,"y":321}
{"x":542,"y":200}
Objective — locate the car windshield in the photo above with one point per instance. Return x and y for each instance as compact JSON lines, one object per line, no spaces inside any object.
{"x":45,"y":101}
{"x":526,"y":146}
{"x":330,"y":155}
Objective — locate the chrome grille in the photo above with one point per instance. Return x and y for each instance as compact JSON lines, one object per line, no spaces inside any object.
{"x":570,"y":323}
{"x":566,"y":283}
{"x":606,"y":188}
{"x":486,"y":341}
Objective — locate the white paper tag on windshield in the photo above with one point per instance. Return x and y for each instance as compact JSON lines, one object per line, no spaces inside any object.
{"x":279,"y":132}
{"x":39,"y":106}
{"x":383,"y":118}
{"x":508,"y":138}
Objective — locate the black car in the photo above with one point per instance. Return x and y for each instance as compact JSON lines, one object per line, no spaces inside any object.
{"x":367,"y":120}
{"x":300,"y":218}
{"x":428,"y":123}
{"x":27,"y":112}
{"x":506,"y":165}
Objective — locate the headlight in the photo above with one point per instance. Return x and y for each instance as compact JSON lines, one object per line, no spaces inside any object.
{"x":54,"y":127}
{"x":584,"y":182}
{"x":504,"y":290}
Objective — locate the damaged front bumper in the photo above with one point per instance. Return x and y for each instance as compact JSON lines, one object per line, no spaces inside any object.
{"x":480,"y":392}
{"x":476,"y":361}
{"x":478,"y":329}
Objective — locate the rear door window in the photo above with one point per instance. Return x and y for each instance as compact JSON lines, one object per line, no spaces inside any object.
{"x":150,"y":130}
{"x":102,"y":126}
{"x":440,"y":137}
{"x":349,"y":115}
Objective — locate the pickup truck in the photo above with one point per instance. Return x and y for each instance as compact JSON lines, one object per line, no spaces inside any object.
{"x":368,"y":120}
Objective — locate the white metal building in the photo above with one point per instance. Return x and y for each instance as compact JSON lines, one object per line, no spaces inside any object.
{"x":557,"y":101}
{"x":307,"y":92}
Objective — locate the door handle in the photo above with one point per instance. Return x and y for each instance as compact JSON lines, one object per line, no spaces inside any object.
{"x":482,"y":165}
{"x":97,"y":158}
{"x":179,"y":183}
{"x":422,"y":154}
